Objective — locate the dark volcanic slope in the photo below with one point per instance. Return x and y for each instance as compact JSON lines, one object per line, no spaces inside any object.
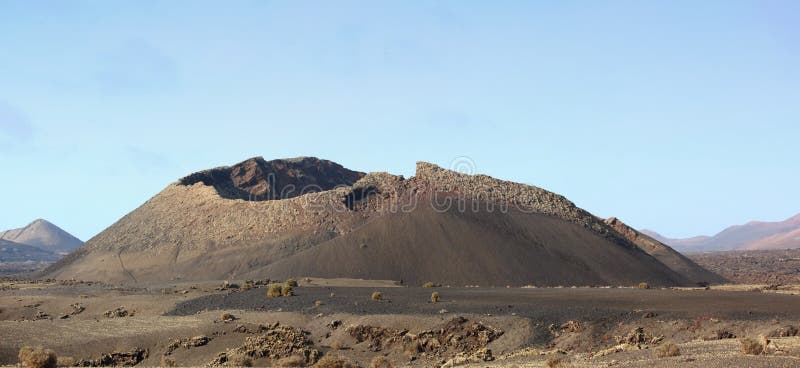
{"x":439,"y":225}
{"x":15,"y":252}
{"x":665,"y":254}
{"x":475,"y":248}
{"x":259,"y":180}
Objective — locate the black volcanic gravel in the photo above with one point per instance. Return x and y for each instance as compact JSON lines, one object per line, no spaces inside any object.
{"x":542,"y":304}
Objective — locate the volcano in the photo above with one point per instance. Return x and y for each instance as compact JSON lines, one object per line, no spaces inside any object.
{"x":307,"y":217}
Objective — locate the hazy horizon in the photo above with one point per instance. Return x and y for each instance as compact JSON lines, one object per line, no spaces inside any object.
{"x":680,"y":118}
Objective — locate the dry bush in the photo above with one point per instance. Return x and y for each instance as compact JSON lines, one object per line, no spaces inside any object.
{"x":435,"y":297}
{"x":239,"y":360}
{"x":377,"y":296}
{"x":412,"y":347}
{"x":643,"y":285}
{"x":556,"y":361}
{"x":667,"y":350}
{"x":37,"y":357}
{"x":167,"y":361}
{"x":291,"y":282}
{"x":317,"y":303}
{"x":65,"y":362}
{"x":287,"y":290}
{"x":381,"y":361}
{"x":330,"y":361}
{"x":226,"y":317}
{"x":427,"y":284}
{"x":292,"y":361}
{"x":752,"y":346}
{"x":275,"y":290}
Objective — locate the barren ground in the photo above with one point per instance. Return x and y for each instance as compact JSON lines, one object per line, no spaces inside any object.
{"x":585,"y":327}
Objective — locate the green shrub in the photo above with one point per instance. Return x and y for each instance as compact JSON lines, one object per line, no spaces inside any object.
{"x":291,"y":282}
{"x":435,"y":297}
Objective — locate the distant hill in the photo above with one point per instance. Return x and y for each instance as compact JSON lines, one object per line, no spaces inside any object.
{"x":312,"y":217}
{"x":43,"y":235}
{"x":754,"y":235}
{"x":16,"y":252}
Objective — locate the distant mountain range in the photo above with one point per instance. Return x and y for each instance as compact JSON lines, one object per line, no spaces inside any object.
{"x":16,"y":252}
{"x":38,"y":242}
{"x":754,"y":235}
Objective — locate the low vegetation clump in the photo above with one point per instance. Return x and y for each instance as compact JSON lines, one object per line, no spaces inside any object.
{"x":275,"y":291}
{"x":239,"y":360}
{"x":428,"y":284}
{"x":377,"y":296}
{"x":435,"y":297}
{"x":331,"y":361}
{"x":227,"y":317}
{"x":292,"y":361}
{"x":667,"y":350}
{"x":291,"y":282}
{"x":643,"y":285}
{"x":65,"y":362}
{"x":753,"y":346}
{"x":556,"y":362}
{"x":381,"y":361}
{"x":37,"y":357}
{"x":287,"y":290}
{"x":167,"y":361}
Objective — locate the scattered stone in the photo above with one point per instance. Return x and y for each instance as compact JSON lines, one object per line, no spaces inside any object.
{"x":117,"y":312}
{"x":334,"y":324}
{"x":484,"y":355}
{"x":227,"y":317}
{"x":720,"y":335}
{"x":275,"y":343}
{"x":457,"y":335}
{"x":571,"y":326}
{"x":241,"y":329}
{"x":40,"y":315}
{"x":77,"y":308}
{"x":786,"y":331}
{"x":116,"y":359}
{"x":197,"y":341}
{"x":634,"y":338}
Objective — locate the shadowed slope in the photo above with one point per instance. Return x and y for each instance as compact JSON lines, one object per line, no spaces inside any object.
{"x":476,"y":248}
{"x":665,"y":254}
{"x":16,"y":252}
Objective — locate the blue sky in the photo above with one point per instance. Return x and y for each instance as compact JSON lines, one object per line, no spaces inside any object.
{"x":680,"y":116}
